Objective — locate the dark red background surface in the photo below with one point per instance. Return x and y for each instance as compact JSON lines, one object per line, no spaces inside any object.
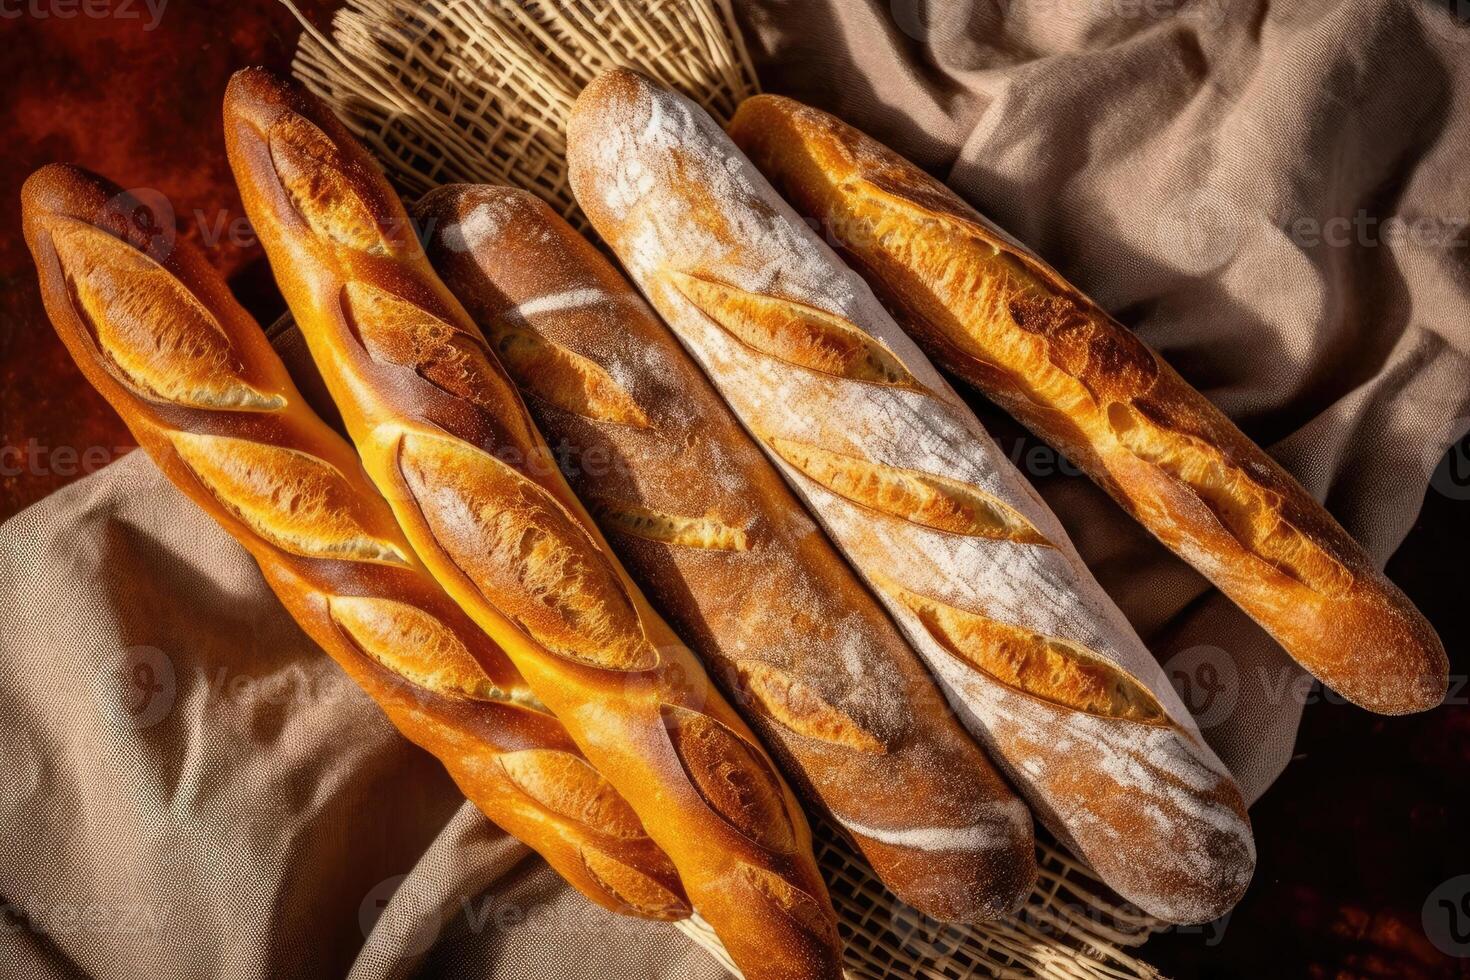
{"x":1368,"y":820}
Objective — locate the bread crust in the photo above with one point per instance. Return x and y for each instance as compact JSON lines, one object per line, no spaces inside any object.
{"x":708,"y":527}
{"x":197,"y":383}
{"x":446,"y":438}
{"x":980,"y":575}
{"x":994,"y":314}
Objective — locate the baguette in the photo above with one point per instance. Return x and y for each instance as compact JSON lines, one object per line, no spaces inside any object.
{"x":708,"y":527}
{"x":994,"y":314}
{"x":446,"y":438}
{"x":199,"y":386}
{"x":1037,"y":661}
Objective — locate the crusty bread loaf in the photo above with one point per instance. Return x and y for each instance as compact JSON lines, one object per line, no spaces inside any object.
{"x":971,"y":563}
{"x":443,"y":433}
{"x":195,"y":380}
{"x":997,"y":316}
{"x":707,"y":526}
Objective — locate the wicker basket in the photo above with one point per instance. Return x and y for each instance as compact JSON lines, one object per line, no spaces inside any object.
{"x":478,"y":91}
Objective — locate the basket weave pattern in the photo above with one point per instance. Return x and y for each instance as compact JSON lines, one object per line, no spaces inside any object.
{"x":478,"y":91}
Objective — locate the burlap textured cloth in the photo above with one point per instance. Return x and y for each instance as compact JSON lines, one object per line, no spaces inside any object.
{"x":1271,"y":195}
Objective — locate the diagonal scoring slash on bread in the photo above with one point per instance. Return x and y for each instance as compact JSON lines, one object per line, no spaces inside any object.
{"x":932,"y":501}
{"x":292,"y":499}
{"x":186,"y":359}
{"x":197,"y":382}
{"x":534,"y":561}
{"x":397,"y":332}
{"x":1042,"y":667}
{"x":449,"y":442}
{"x":800,"y":708}
{"x":415,"y":645}
{"x":734,"y":777}
{"x":686,"y":532}
{"x":1251,"y":513}
{"x":794,"y":332}
{"x":562,"y":378}
{"x":320,"y":183}
{"x":816,"y":340}
{"x":1001,"y":318}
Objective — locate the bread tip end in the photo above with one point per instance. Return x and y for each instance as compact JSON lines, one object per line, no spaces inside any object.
{"x":1407,"y":695}
{"x":59,"y":188}
{"x":256,"y":93}
{"x":612,"y":86}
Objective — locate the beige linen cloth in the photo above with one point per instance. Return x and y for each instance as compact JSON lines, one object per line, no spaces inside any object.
{"x":191,"y":789}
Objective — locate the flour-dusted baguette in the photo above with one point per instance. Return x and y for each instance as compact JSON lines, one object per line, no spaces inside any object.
{"x":1000,"y":318}
{"x":708,"y":527}
{"x":971,"y":563}
{"x":199,"y":386}
{"x":444,"y":434}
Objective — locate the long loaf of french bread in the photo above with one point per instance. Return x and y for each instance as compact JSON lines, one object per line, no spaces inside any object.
{"x":195,"y":380}
{"x":997,"y":316}
{"x":708,"y":527}
{"x":971,"y":563}
{"x":446,"y":438}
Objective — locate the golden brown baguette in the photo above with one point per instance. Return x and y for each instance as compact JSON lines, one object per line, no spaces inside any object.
{"x":708,"y":527}
{"x":972,"y":565}
{"x":445,"y":436}
{"x":199,"y":386}
{"x":997,"y":316}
